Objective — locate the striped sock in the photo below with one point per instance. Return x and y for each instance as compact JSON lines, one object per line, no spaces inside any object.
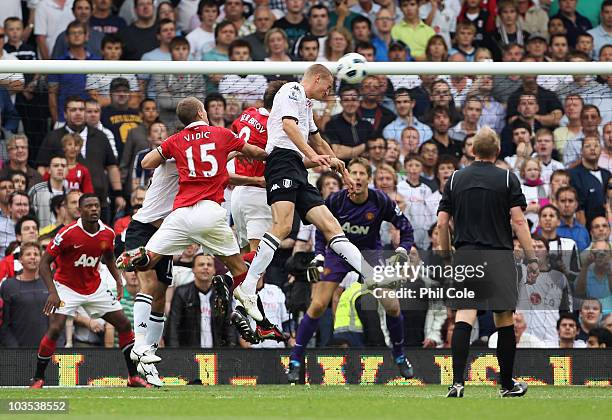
{"x":142,"y":313}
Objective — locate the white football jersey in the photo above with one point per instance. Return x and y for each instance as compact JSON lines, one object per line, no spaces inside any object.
{"x":289,"y":102}
{"x":160,"y":195}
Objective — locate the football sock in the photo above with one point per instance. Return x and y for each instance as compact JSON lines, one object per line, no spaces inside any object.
{"x":126,"y":342}
{"x":349,"y":253}
{"x":395,"y":325}
{"x":237,"y":280}
{"x":265,"y":252}
{"x":142,"y":312}
{"x":155,"y":330}
{"x":45,"y":351}
{"x":460,"y":346}
{"x":506,"y":349}
{"x":305,"y":331}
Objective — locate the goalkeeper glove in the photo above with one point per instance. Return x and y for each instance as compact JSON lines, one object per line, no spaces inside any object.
{"x":315,"y":269}
{"x":400,"y":257}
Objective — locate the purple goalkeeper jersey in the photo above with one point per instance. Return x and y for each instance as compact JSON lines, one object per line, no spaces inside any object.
{"x":361,"y":225}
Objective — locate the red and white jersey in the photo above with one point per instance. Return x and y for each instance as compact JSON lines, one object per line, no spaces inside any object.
{"x":251,"y":126}
{"x":77,"y":255}
{"x":200,"y":152}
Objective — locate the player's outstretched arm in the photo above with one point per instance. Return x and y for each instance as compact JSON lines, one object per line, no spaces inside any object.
{"x":109,"y":260}
{"x":293,"y":132}
{"x":236,"y":180}
{"x":320,"y":146}
{"x":153,"y":159}
{"x":53,"y":300}
{"x":254,"y":152}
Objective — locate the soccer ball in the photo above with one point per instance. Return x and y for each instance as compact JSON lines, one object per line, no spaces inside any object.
{"x":351,"y":68}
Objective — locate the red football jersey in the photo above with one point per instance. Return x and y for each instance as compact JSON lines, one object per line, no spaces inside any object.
{"x":200,"y":152}
{"x":251,"y":126}
{"x":77,"y":256}
{"x":79,"y":178}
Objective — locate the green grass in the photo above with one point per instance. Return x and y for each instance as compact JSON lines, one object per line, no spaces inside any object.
{"x":321,"y":402}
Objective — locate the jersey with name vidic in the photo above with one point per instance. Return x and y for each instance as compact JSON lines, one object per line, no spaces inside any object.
{"x":251,"y":127}
{"x":200,"y":152}
{"x":77,"y":255}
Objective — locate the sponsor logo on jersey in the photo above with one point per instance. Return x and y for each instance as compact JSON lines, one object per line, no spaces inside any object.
{"x":295,"y":93}
{"x":369,"y":215}
{"x":355,"y":229}
{"x":86,"y":261}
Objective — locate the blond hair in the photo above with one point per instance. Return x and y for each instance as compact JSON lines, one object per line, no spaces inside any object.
{"x":486,"y":143}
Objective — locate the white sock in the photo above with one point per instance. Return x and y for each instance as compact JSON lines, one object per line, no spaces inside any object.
{"x":142,"y":312}
{"x":156,"y":328}
{"x":350,"y":253}
{"x":263,"y":256}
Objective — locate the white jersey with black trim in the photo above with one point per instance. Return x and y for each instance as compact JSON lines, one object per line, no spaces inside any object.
{"x":290,"y":102}
{"x":160,"y":195}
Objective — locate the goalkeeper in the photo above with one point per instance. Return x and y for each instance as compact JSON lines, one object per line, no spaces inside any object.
{"x":360,"y":215}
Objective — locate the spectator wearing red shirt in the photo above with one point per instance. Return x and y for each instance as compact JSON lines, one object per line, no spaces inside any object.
{"x":136,"y":200}
{"x":78,"y":176}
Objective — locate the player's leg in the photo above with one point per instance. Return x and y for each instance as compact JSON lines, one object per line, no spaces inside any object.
{"x":321,"y":297}
{"x":47,"y":348}
{"x":506,"y":351}
{"x":460,"y":346}
{"x":148,"y":317}
{"x":395,"y":326}
{"x":126,"y":341}
{"x":282,"y":222}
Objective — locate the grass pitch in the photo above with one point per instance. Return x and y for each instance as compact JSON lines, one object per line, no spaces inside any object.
{"x":320,"y":402}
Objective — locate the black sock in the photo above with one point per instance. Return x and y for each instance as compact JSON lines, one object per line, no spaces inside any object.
{"x":264,"y":323}
{"x":460,"y":346}
{"x":128,"y":360}
{"x":41,"y":366}
{"x":506,"y":349}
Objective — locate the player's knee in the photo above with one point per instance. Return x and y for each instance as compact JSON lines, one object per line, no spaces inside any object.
{"x":54,"y":332}
{"x":123,"y":325}
{"x":316,"y":308}
{"x":281,"y":229}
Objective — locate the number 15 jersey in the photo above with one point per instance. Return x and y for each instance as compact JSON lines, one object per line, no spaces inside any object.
{"x":200,"y":152}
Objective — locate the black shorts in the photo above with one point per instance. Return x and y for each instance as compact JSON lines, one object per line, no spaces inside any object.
{"x":138,"y":234}
{"x":493,"y":279}
{"x":287,"y":180}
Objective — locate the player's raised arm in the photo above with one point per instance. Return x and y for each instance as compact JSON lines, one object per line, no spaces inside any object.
{"x":153,"y":159}
{"x":254,"y":152}
{"x":292,"y":130}
{"x":53,"y":300}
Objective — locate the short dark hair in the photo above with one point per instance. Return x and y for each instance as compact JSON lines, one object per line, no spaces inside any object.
{"x":567,"y":188}
{"x":402,"y":91}
{"x":238,"y":43}
{"x":603,"y":335}
{"x":552,"y":38}
{"x":550,"y":206}
{"x":178,"y":41}
{"x":77,"y":24}
{"x":271,"y":91}
{"x":347,"y":88}
{"x":111,"y":39}
{"x":24,"y":219}
{"x":222,"y":25}
{"x":520,"y":124}
{"x":207,"y":3}
{"x":441,"y":110}
{"x":17,"y":194}
{"x":606,"y":3}
{"x":85,"y":197}
{"x":308,"y":38}
{"x":360,"y":19}
{"x":144,"y":101}
{"x":567,"y":315}
{"x":73,"y":98}
{"x":162,"y":23}
{"x":318,"y":6}
{"x":590,"y":106}
{"x":329,"y":174}
{"x":364,"y":45}
{"x":56,"y":203}
{"x":212,"y":97}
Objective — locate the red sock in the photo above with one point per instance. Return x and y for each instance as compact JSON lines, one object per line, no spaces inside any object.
{"x":46,"y":347}
{"x":238,"y":280}
{"x":125,"y":339}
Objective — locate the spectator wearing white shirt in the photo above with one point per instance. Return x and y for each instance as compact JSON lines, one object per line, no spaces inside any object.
{"x":13,"y":82}
{"x":567,"y":331}
{"x":524,"y":340}
{"x":605,"y":160}
{"x":52,"y":17}
{"x":93,"y":113}
{"x":202,"y":38}
{"x":544,"y":146}
{"x":441,"y":16}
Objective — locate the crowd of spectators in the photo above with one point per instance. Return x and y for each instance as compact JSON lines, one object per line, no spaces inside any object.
{"x":67,"y":134}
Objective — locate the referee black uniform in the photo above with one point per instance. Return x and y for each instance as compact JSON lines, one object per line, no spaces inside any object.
{"x":478,"y":199}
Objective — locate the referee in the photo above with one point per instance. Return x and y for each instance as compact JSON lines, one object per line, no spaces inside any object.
{"x":485,"y":203}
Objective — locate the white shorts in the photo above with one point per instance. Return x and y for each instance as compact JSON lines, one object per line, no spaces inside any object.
{"x":99,"y":303}
{"x":251,"y":213}
{"x":204,"y":223}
